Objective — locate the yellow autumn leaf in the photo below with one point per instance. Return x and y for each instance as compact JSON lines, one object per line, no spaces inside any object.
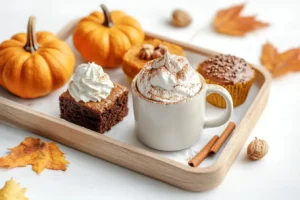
{"x":12,"y":191}
{"x":34,"y":152}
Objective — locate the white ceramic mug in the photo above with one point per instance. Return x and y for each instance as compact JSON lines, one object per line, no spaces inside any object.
{"x":176,"y":126}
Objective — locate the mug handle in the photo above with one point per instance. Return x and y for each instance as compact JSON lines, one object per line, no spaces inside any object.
{"x":224,"y":117}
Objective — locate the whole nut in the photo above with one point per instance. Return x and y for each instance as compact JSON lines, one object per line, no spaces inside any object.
{"x":181,"y":18}
{"x":159,"y":51}
{"x":146,"y":52}
{"x":257,"y":149}
{"x":148,"y":46}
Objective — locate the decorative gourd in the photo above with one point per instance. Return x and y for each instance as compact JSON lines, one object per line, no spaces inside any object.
{"x":105,"y":37}
{"x":33,"y":65}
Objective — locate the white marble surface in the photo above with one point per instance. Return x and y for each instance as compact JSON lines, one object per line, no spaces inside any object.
{"x":275,"y":177}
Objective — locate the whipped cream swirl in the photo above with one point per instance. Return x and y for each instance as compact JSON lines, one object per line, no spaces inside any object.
{"x":90,"y":83}
{"x":169,"y":78}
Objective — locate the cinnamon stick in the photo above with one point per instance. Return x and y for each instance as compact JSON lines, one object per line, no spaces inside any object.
{"x":194,"y":162}
{"x":226,"y":133}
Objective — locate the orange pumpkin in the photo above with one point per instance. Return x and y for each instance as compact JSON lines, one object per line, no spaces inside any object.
{"x":33,"y":65}
{"x":105,"y":37}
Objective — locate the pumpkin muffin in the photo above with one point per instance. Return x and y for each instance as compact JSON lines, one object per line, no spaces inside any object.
{"x":231,"y":72}
{"x":137,"y":56}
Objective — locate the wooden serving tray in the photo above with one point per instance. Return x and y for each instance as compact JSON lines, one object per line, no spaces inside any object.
{"x":139,"y":159}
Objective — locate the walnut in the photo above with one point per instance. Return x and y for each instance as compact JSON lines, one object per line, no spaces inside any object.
{"x":257,"y":149}
{"x":181,"y":18}
{"x":146,"y":52}
{"x":159,"y":51}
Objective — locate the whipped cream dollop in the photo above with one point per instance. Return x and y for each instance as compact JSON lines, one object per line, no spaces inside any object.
{"x":90,"y":83}
{"x":169,"y":78}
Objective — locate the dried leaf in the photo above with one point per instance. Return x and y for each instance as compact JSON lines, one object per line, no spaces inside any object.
{"x":229,"y":22}
{"x":280,"y":64}
{"x":12,"y":191}
{"x":286,"y":62}
{"x":34,"y":152}
{"x":269,"y":55}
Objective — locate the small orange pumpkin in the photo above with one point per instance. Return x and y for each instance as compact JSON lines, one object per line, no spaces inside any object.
{"x":33,"y":65}
{"x":105,"y":37}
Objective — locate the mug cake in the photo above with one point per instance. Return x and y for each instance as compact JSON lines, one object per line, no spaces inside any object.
{"x":169,"y":104}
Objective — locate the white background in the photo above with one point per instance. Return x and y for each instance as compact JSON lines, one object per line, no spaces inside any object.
{"x":277,"y":176}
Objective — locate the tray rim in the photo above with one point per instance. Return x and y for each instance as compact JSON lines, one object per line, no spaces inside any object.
{"x":216,"y":171}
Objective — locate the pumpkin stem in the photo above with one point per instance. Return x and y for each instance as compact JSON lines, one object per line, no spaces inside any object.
{"x":107,"y":19}
{"x":31,"y":43}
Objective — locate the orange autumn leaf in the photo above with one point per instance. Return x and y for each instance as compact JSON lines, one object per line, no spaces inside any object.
{"x":269,"y":55}
{"x":229,"y":22}
{"x":280,"y":63}
{"x":34,"y":152}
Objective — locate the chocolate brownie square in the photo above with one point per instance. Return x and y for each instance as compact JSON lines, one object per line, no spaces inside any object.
{"x":97,"y":116}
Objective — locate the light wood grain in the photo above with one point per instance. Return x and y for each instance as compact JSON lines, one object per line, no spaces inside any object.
{"x":142,"y":161}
